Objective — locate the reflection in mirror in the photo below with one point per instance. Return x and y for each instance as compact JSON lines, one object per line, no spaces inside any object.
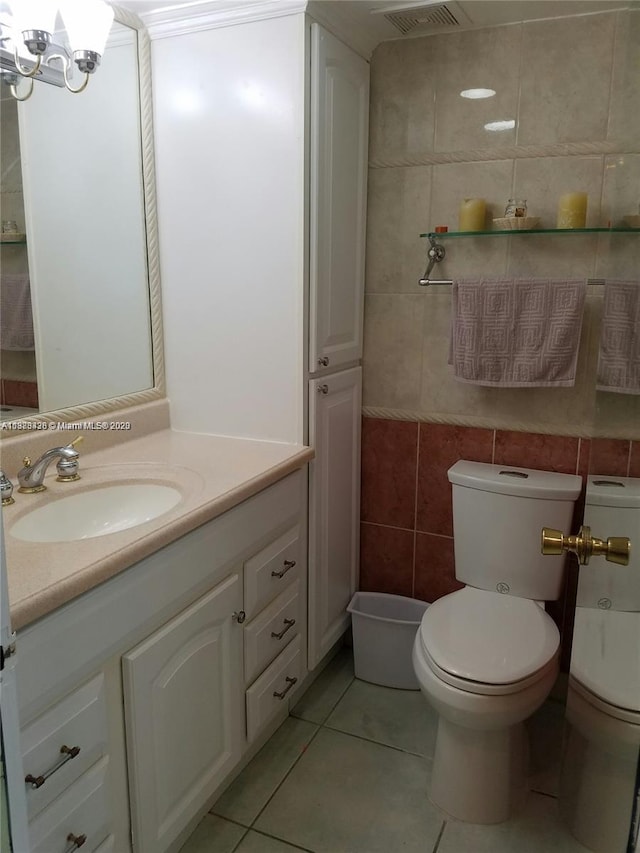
{"x":598,"y":787}
{"x":599,"y":794}
{"x":77,"y":181}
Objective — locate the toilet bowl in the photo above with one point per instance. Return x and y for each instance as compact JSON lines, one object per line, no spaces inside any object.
{"x":483,"y":696}
{"x":598,"y":782}
{"x":486,"y":656}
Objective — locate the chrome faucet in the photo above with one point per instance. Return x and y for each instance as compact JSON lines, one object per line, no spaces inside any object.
{"x":6,"y":489}
{"x":31,"y":477}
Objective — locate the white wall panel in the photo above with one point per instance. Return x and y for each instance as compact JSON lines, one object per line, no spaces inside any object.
{"x":229,"y":119}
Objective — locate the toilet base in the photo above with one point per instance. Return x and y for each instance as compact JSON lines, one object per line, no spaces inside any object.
{"x":479,"y":776}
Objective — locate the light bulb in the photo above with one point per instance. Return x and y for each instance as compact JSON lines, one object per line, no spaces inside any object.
{"x":39,"y":15}
{"x":88,"y":23}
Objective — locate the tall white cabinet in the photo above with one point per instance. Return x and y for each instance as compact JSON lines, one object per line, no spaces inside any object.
{"x":339,"y":130}
{"x":262,"y":131}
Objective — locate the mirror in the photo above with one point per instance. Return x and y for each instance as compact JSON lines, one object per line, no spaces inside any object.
{"x":78,"y":182}
{"x":600,"y":781}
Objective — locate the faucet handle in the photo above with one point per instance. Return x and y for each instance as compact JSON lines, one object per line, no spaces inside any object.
{"x":67,"y":468}
{"x":6,"y":490}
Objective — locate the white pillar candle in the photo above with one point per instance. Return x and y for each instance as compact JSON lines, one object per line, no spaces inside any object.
{"x":472,"y":214}
{"x":572,"y":210}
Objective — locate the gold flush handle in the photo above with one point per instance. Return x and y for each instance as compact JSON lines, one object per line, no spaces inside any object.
{"x":616,"y":549}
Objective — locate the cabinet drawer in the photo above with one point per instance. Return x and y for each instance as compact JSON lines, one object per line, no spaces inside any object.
{"x":79,"y":721}
{"x":83,"y":809}
{"x":273,"y":629}
{"x":269,"y":571}
{"x":268,"y":694}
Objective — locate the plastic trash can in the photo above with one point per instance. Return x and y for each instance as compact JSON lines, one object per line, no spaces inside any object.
{"x":384,"y":628}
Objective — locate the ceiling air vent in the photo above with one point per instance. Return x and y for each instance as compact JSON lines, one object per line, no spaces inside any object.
{"x":425,"y":18}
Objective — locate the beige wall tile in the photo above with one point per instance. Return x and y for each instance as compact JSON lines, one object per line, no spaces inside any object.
{"x":393,"y":339}
{"x":624,"y":121}
{"x":565,"y":79}
{"x":564,"y":96}
{"x":621,"y":190}
{"x":398,"y":212}
{"x":452,"y":183}
{"x":542,"y":180}
{"x":402,"y":99}
{"x":476,"y":59}
{"x":556,"y":408}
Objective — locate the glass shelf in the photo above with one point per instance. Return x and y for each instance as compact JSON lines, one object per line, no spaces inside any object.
{"x":446,"y":234}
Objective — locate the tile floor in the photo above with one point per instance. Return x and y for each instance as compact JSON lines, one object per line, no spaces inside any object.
{"x":348,"y":771}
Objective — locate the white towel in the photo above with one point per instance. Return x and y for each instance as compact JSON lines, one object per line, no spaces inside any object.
{"x":16,"y":317}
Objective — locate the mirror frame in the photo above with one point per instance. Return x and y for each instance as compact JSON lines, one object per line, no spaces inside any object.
{"x":158,"y":390}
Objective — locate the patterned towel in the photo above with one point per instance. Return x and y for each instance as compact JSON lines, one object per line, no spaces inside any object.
{"x":16,"y":320}
{"x":516,"y":333}
{"x":619,"y":361}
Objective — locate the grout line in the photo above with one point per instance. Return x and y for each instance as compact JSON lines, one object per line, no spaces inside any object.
{"x":544,"y":794}
{"x":379,"y":743}
{"x":493,"y":447}
{"x":306,"y":747}
{"x":389,"y":526}
{"x":415,"y":516}
{"x":439,"y":838}
{"x":286,"y":776}
{"x":242,"y":837}
{"x":629,"y":455}
{"x":284,"y":840}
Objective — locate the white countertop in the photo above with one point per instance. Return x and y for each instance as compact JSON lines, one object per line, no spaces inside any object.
{"x":213,"y":473}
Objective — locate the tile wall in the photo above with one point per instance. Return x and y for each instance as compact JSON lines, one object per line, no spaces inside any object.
{"x":575,"y":129}
{"x":406,"y":531}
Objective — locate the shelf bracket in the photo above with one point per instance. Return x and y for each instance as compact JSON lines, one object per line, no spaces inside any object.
{"x":436,"y":254}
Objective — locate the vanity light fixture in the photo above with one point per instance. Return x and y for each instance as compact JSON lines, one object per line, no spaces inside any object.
{"x":28,"y":49}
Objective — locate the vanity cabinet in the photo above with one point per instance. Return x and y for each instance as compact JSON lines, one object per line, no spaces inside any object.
{"x":183,"y":710}
{"x":162,"y":681}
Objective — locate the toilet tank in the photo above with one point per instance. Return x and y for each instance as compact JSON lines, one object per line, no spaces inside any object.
{"x":498,"y":514}
{"x":612,"y":508}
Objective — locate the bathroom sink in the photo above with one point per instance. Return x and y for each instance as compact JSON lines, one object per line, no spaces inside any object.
{"x":96,"y":512}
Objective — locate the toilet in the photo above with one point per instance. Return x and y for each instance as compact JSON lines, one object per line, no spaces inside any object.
{"x":486,"y":656}
{"x":598,"y":781}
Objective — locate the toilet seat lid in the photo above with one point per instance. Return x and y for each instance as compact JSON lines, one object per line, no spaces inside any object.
{"x":605,"y":655}
{"x":488,"y":637}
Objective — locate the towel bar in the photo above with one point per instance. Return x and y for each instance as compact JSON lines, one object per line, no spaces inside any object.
{"x":437,"y":253}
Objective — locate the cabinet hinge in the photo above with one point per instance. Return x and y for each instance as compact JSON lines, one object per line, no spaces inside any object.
{"x":7,"y":651}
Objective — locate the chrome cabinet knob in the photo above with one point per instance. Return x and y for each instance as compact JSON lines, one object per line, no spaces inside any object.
{"x":323,"y":361}
{"x":239,"y":616}
{"x":323,"y":389}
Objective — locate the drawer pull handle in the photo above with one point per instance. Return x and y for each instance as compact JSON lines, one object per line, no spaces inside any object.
{"x":290,"y":683}
{"x":77,"y":841}
{"x":288,"y":564}
{"x":69,"y":752}
{"x":288,"y":623}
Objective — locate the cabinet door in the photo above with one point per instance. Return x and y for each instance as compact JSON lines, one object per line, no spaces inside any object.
{"x":334,"y":506}
{"x":183,"y":707}
{"x":339,"y":141}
